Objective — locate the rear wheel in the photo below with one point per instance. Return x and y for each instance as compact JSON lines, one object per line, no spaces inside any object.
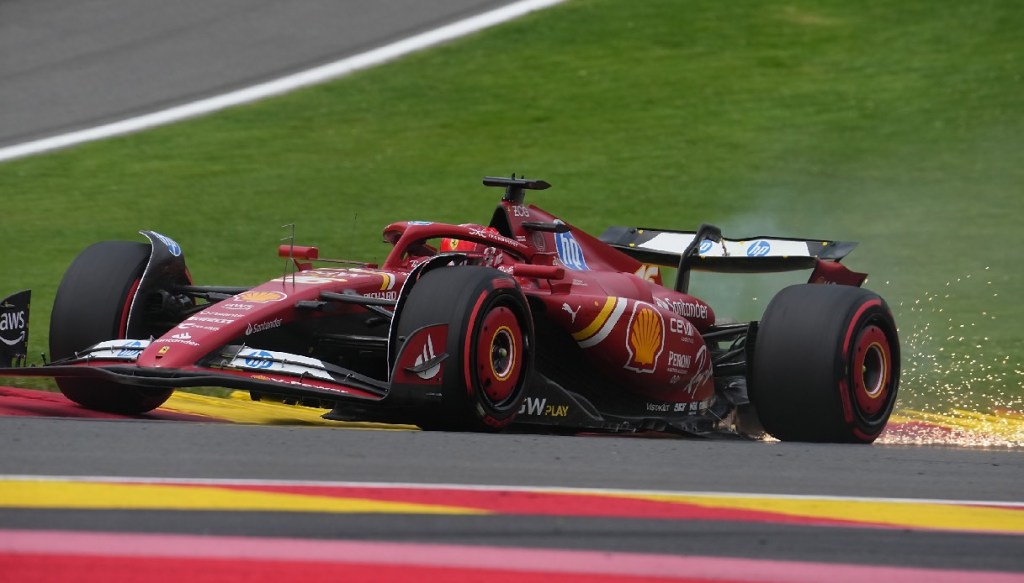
{"x":826,"y":365}
{"x":91,"y":306}
{"x":490,"y":345}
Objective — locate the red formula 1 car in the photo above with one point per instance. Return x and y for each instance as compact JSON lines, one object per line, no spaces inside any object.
{"x":526,"y":322}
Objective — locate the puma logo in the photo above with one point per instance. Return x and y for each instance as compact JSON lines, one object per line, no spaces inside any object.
{"x":571,"y":312}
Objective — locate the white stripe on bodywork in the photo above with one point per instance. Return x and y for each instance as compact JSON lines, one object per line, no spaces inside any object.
{"x":609,"y":324}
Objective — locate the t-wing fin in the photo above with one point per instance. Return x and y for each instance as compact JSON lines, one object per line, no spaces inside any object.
{"x":515,"y":188}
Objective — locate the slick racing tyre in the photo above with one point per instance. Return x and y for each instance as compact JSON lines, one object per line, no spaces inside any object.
{"x":826,"y":365}
{"x":490,"y":345}
{"x":92,"y":306}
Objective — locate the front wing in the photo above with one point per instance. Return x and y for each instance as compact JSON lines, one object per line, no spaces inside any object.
{"x":235,"y":367}
{"x":350,"y":396}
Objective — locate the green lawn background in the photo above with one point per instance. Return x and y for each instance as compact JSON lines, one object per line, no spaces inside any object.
{"x":896,"y":124}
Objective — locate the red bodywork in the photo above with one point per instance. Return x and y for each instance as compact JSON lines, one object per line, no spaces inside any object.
{"x":609,"y":334}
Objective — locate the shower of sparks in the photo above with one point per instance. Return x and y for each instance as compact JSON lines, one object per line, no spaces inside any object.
{"x":956,"y":388}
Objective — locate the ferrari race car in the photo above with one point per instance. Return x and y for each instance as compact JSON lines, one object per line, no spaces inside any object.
{"x":526,"y":323}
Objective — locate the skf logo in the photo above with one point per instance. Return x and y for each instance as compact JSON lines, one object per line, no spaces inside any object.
{"x":646,"y":338}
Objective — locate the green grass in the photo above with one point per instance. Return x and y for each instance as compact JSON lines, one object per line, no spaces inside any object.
{"x":897,"y":124}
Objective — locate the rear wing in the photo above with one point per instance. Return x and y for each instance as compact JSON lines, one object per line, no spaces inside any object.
{"x":706,"y":250}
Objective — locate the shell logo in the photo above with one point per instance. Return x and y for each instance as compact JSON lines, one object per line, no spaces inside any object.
{"x":261,"y":297}
{"x":646,"y":338}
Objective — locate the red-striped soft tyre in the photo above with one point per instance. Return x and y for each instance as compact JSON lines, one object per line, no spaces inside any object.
{"x":92,"y":306}
{"x":826,"y":365}
{"x":490,"y":345}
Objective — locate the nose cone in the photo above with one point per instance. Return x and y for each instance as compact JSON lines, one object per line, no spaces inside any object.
{"x":243,"y":317}
{"x":256,"y":310}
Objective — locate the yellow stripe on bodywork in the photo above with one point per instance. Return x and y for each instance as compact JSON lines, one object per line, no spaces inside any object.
{"x":108,"y":496}
{"x":599,"y":321}
{"x":897,"y":513}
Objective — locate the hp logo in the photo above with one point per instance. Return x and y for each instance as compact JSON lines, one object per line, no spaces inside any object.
{"x":260,"y":359}
{"x":759,"y":249}
{"x":570,"y":252}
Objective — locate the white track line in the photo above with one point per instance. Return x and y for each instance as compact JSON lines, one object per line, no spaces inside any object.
{"x":284,"y":84}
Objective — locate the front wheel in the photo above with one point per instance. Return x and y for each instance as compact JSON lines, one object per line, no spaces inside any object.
{"x":92,"y":306}
{"x":490,"y":345}
{"x":826,"y":365}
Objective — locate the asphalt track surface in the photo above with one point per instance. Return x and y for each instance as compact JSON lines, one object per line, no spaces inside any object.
{"x":213,"y":450}
{"x":70,"y":65}
{"x":787,"y":505}
{"x":67,"y":66}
